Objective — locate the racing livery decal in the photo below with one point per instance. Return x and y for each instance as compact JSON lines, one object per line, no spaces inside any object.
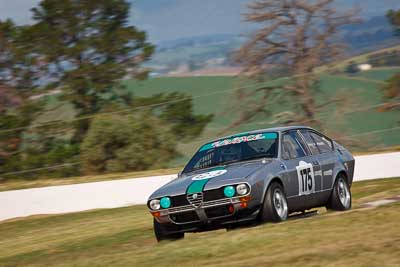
{"x":209,"y":175}
{"x":200,"y":180}
{"x":305,"y":174}
{"x":239,"y":139}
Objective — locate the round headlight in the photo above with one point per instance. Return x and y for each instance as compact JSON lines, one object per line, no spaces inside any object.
{"x":165,"y":202}
{"x":154,"y":204}
{"x":242,"y":189}
{"x":229,"y":191}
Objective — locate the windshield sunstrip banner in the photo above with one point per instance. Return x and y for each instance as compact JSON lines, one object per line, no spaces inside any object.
{"x":239,"y":139}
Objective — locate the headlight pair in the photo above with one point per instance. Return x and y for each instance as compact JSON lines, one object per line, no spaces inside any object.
{"x":156,"y":204}
{"x":240,"y":189}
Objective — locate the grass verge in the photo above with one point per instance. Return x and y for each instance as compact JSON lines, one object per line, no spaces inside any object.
{"x":124,"y":237}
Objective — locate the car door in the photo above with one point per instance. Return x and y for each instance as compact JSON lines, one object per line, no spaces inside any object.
{"x":322,"y":148}
{"x":301,"y":167}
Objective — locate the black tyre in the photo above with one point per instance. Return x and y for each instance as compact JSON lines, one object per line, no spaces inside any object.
{"x":274,"y":208}
{"x":340,"y":198}
{"x":162,"y":234}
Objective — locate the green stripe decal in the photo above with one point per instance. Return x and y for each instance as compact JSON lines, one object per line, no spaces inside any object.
{"x":206,"y":147}
{"x":197,"y":186}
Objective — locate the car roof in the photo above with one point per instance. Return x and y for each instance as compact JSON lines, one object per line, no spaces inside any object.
{"x":274,"y":129}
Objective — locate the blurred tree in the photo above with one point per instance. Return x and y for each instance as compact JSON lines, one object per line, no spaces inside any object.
{"x":394,"y":19}
{"x":20,"y":73}
{"x":19,"y":68}
{"x":117,"y":143}
{"x":293,"y":35}
{"x":87,"y":47}
{"x":391,"y":90}
{"x":10,"y":141}
{"x":6,"y":53}
{"x":177,"y":113}
{"x":84,"y":48}
{"x":9,"y":98}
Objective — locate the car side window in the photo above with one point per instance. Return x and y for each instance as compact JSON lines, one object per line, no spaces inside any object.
{"x":323,"y":144}
{"x":291,"y":148}
{"x":311,"y":144}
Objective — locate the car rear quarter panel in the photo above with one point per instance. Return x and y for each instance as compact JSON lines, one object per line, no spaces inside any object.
{"x":345,"y":163}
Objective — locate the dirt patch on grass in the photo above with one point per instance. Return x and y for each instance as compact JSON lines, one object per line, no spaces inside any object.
{"x":380,"y":202}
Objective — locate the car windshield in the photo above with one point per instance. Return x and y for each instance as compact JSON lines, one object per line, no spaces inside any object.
{"x":234,"y":149}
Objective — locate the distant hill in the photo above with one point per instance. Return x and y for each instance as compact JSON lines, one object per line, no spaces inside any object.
{"x":210,"y":51}
{"x":370,"y":35}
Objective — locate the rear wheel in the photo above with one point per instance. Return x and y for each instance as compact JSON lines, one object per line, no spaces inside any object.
{"x":274,"y":208}
{"x":340,"y":198}
{"x":162,"y":234}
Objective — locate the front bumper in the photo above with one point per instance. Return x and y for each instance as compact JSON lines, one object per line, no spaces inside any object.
{"x":210,"y":215}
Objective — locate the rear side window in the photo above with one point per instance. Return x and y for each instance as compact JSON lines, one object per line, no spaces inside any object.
{"x":323,"y":144}
{"x":317,"y":143}
{"x":291,"y":148}
{"x":310,"y":142}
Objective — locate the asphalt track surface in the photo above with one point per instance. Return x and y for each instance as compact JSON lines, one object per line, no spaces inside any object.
{"x":126,"y":192}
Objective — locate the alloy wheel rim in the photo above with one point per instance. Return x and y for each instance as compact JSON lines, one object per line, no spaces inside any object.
{"x":280,"y":203}
{"x":344,"y":194}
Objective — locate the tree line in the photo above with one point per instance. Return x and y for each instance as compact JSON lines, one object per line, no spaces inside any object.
{"x":85,"y":49}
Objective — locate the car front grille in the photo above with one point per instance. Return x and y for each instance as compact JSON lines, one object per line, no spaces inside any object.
{"x":185,"y":217}
{"x":218,"y":202}
{"x":196,"y":199}
{"x":214,"y":194}
{"x":179,"y":200}
{"x":218,"y":211}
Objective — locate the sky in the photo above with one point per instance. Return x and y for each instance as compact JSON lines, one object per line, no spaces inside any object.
{"x":174,"y":19}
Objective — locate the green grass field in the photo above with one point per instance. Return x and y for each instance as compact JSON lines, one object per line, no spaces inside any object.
{"x":215,"y":95}
{"x":124,"y":237}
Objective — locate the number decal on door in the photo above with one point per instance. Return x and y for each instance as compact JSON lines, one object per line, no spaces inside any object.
{"x":305,"y":174}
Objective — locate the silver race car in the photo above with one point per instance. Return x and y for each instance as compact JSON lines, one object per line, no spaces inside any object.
{"x":262,"y":175}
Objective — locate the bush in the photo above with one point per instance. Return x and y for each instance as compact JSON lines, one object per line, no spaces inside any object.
{"x":352,"y":68}
{"x":118,"y":143}
{"x":62,"y":153}
{"x":392,"y":88}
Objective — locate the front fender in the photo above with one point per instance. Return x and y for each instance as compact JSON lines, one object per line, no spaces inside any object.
{"x":262,"y":179}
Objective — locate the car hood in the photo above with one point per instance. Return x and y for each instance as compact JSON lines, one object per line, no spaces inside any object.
{"x":211,"y":177}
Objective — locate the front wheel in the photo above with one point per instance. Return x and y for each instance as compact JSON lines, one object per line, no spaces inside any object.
{"x":161,"y":233}
{"x":274,"y":208}
{"x":340,"y":198}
